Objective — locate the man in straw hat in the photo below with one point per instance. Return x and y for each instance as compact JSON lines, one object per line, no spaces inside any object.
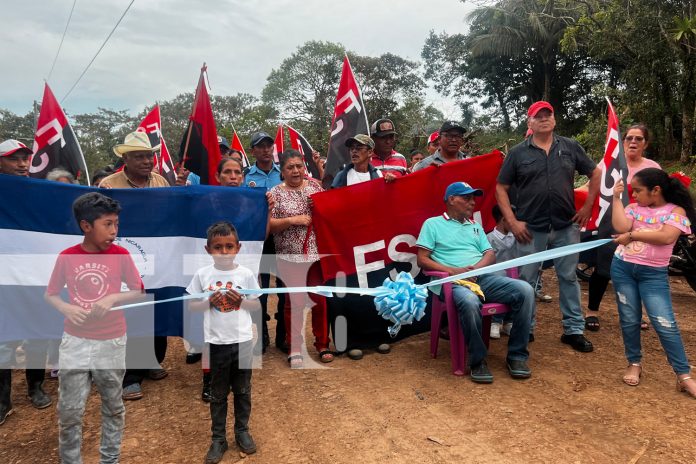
{"x":138,"y":159}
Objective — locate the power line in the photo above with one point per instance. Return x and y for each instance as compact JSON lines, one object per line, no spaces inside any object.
{"x":98,"y":51}
{"x":61,"y":40}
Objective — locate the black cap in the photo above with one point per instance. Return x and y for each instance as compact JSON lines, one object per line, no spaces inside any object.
{"x":449,"y":125}
{"x":382,"y":127}
{"x":259,"y":137}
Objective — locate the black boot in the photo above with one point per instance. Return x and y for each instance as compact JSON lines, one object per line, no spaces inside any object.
{"x":242,"y":412}
{"x":215,"y":452}
{"x":205,"y":395}
{"x":39,"y":398}
{"x":5,"y":390}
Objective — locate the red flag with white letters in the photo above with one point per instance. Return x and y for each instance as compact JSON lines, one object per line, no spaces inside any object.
{"x":55,"y":144}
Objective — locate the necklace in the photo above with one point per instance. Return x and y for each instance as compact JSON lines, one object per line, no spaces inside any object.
{"x":289,"y":187}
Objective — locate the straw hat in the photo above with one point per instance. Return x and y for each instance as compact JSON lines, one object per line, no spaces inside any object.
{"x":135,"y":141}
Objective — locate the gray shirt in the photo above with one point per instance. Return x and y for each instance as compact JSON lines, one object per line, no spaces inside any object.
{"x":437,"y":159}
{"x":544,"y":183}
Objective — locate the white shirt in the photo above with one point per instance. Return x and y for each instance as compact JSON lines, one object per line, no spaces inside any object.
{"x":355,"y":177}
{"x":224,"y":326}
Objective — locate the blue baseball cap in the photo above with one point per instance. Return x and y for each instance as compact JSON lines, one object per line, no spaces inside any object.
{"x":462,"y":188}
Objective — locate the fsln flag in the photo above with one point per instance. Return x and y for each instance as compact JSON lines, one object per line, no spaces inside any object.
{"x":152,"y":126}
{"x":278,"y":144}
{"x":199,"y":149}
{"x":614,"y":168}
{"x":299,"y":142}
{"x":55,"y":144}
{"x":349,"y":119}
{"x":237,"y":145}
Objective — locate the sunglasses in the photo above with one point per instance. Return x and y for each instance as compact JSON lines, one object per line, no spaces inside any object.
{"x":637,"y":138}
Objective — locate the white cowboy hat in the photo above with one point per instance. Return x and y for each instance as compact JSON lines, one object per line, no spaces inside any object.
{"x":135,"y":141}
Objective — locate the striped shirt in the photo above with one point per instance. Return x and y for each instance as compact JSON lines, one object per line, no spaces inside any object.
{"x":395,"y":163}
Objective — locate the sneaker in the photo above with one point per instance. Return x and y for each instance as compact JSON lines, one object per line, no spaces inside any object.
{"x":132,"y":392}
{"x":384,"y":348}
{"x":518,"y":369}
{"x":215,"y":452}
{"x":543,"y":298}
{"x":193,"y":358}
{"x":495,"y":329}
{"x":578,"y":342}
{"x":481,"y":374}
{"x":507,"y":328}
{"x":245,"y":442}
{"x":355,"y":354}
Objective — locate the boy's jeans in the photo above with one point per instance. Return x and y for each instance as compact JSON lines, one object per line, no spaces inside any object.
{"x":81,"y":362}
{"x":636,"y":285}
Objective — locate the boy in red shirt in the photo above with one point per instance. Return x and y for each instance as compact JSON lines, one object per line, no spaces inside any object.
{"x":93,"y":348}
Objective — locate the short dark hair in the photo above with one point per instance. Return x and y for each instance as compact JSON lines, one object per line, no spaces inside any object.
{"x":91,"y":206}
{"x":221,"y":229}
{"x":497,"y":214}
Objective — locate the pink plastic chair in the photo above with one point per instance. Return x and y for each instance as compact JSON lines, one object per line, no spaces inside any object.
{"x":458,"y":349}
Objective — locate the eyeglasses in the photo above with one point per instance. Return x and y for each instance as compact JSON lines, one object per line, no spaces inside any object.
{"x":637,"y":138}
{"x":358,"y":148}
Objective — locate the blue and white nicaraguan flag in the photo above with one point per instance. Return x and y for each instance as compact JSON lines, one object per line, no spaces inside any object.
{"x":164,"y":229}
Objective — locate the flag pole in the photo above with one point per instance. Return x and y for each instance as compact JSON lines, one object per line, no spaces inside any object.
{"x":195,"y":102}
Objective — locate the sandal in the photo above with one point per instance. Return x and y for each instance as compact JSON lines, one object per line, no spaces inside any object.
{"x":682,"y":388}
{"x":592,"y":323}
{"x":326,"y":356}
{"x":644,"y":325}
{"x":633,"y":380}
{"x":295,"y":361}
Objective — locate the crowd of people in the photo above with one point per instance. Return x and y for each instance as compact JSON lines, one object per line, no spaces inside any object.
{"x":535,"y":211}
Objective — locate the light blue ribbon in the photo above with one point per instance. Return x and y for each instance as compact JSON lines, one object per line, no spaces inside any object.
{"x":400,"y":301}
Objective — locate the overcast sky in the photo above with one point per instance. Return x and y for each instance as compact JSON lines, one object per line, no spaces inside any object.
{"x":157,"y":50}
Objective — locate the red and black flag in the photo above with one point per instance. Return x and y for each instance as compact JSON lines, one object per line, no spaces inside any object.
{"x":152,"y":126}
{"x":199,"y":149}
{"x":614,"y":168}
{"x":55,"y":144}
{"x":299,"y":142}
{"x":350,"y":118}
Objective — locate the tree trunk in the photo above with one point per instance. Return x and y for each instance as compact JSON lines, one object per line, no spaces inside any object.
{"x":687,"y":130}
{"x":503,"y":110}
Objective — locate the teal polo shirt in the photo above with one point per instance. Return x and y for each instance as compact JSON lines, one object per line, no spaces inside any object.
{"x":453,"y":243}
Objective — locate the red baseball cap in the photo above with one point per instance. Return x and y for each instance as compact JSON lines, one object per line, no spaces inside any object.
{"x":11,"y":146}
{"x":538,"y":106}
{"x":433,"y":137}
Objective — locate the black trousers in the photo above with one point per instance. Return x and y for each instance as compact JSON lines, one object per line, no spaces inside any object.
{"x":268,"y":267}
{"x":230,"y":368}
{"x":136,"y":349}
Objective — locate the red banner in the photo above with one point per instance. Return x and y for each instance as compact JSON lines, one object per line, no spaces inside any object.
{"x":152,"y":126}
{"x":365,"y":227}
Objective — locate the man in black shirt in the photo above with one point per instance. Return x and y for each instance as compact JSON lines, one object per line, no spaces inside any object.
{"x":542,"y":169}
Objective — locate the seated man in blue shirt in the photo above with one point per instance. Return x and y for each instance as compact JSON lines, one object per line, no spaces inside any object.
{"x":454,"y":243}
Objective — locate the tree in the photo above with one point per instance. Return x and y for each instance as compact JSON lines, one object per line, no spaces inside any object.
{"x":17,"y":127}
{"x":99,"y":132}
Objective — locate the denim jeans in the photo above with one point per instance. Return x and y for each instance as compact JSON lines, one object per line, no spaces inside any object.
{"x":569,"y":289}
{"x":230,"y":369}
{"x":637,"y":285}
{"x":81,"y":362}
{"x":515,"y":293}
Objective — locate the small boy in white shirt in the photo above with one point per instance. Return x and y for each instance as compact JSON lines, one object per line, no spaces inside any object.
{"x":227,"y":329}
{"x":503,"y":242}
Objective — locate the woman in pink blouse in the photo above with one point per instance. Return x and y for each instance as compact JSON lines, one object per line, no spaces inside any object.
{"x":647,"y":231}
{"x":297,"y":255}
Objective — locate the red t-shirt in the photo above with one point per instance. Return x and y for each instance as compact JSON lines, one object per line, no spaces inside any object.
{"x":89,"y":278}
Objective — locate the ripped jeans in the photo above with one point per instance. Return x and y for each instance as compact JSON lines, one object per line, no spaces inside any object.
{"x":637,"y":285}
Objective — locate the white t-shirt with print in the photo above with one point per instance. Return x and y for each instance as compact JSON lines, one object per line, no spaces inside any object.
{"x":227,"y":325}
{"x":355,"y":177}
